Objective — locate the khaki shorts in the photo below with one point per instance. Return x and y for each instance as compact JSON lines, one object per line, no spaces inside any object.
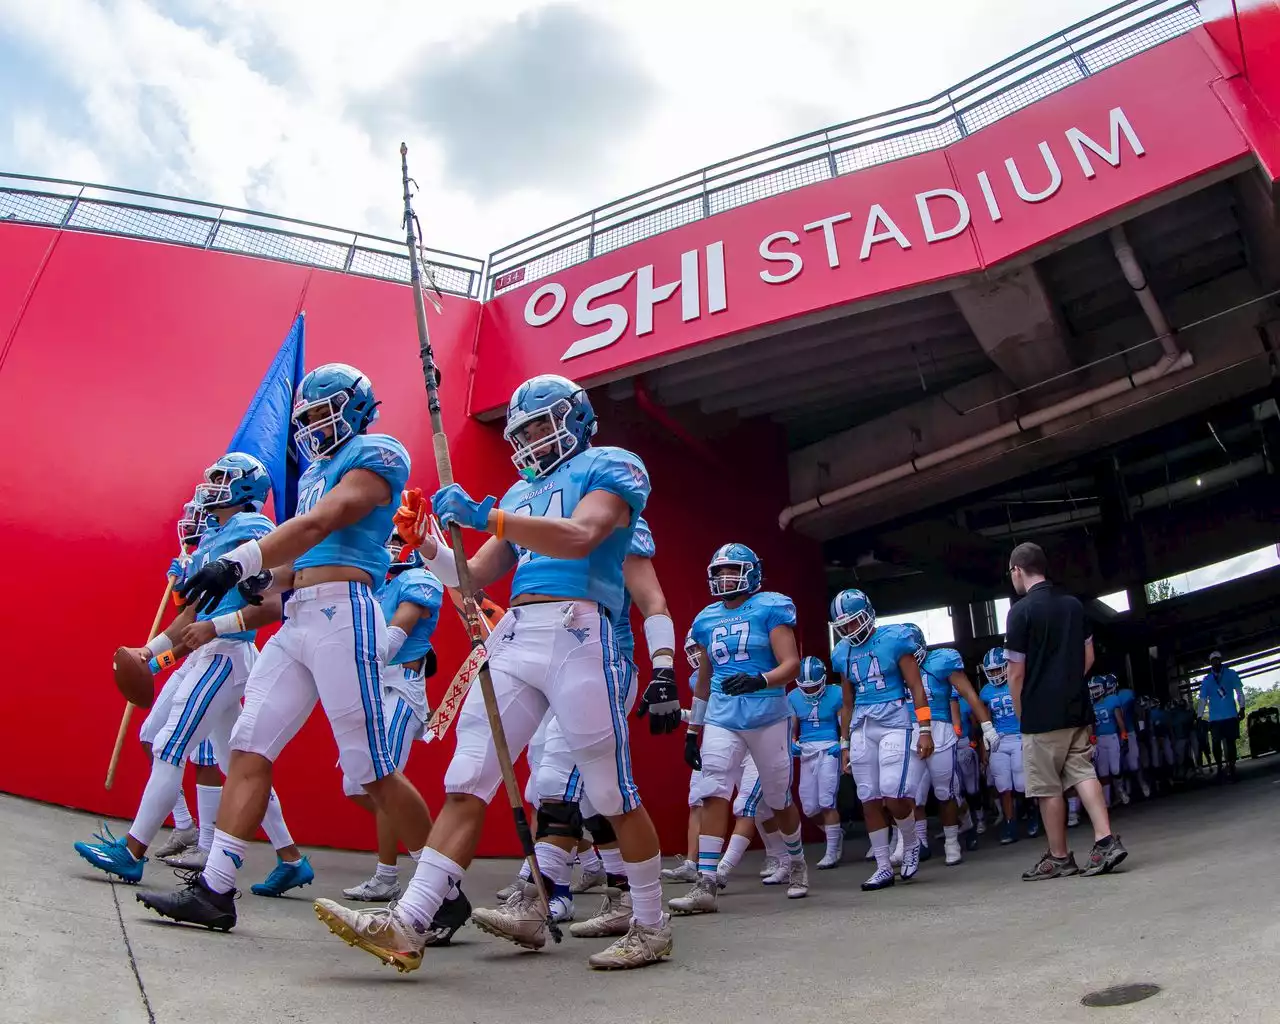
{"x":1056,"y":761}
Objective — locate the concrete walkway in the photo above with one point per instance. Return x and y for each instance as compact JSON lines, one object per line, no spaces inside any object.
{"x":1193,"y":911}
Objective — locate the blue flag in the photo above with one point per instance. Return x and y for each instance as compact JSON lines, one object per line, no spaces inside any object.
{"x":267,"y":428}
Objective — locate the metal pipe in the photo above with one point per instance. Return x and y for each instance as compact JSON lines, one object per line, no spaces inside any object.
{"x":1128,"y":261}
{"x":1018,"y":425}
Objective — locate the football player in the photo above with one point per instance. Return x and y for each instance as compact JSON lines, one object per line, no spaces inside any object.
{"x":565,"y":528}
{"x":747,"y":643}
{"x":1005,"y":753}
{"x":883,"y":746}
{"x":1111,"y":731}
{"x":816,"y":707}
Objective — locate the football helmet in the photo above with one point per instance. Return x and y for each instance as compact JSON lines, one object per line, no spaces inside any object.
{"x":332,"y":405}
{"x":549,"y":420}
{"x":734,"y":569}
{"x":235,"y":479}
{"x":852,"y":616}
{"x":995,"y":666}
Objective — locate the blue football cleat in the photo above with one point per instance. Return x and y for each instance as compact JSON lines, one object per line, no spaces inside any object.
{"x":285,"y":877}
{"x":1008,"y":833}
{"x":112,"y":856}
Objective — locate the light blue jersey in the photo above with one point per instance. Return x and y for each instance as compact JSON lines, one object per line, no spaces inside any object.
{"x":239,"y":529}
{"x":872,"y":669}
{"x":999,"y":701}
{"x":1104,"y":713}
{"x":598,"y":576}
{"x":935,"y":673}
{"x":737,"y":641}
{"x":362,"y":545}
{"x":1128,"y":701}
{"x":642,"y":545}
{"x":819,"y":719}
{"x":414,"y":586}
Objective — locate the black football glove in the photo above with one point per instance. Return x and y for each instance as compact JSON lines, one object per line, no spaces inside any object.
{"x":204,"y":590}
{"x":661,"y":702}
{"x":254,"y":587}
{"x":743,"y":682}
{"x":692,"y":755}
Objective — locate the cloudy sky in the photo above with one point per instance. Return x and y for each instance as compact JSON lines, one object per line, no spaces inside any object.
{"x":517,"y":113}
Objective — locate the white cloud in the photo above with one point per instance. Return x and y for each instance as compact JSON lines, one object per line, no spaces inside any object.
{"x":264,"y":102}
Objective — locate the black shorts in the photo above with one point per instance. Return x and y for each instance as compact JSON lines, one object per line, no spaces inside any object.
{"x":1225,"y":729}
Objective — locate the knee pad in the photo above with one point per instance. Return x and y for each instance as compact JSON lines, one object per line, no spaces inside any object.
{"x":601,"y":829}
{"x":559,"y":819}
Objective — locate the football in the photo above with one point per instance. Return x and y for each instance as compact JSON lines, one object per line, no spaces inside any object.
{"x":134,"y":678}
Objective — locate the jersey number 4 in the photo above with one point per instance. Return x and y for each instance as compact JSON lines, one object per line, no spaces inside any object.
{"x":554,"y":510}
{"x":734,"y":636}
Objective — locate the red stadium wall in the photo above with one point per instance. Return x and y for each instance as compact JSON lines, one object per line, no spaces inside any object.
{"x":125,"y":368}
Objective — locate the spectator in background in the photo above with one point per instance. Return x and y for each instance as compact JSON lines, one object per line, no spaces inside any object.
{"x":1223,"y":694}
{"x":1049,"y":654}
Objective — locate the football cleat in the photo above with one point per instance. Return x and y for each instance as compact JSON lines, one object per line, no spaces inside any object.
{"x":192,"y":860}
{"x":1008,"y":833}
{"x":589,"y":880}
{"x":379,"y":931}
{"x":451,"y":916}
{"x":520,"y":920}
{"x":910,"y":862}
{"x":770,"y":866}
{"x":613,"y":917}
{"x":194,"y":903}
{"x":951,"y":851}
{"x":701,"y":899}
{"x":113,"y":857}
{"x":639,"y":947}
{"x":687,"y":871}
{"x":284,"y":877}
{"x":798,"y":882}
{"x":781,"y":875}
{"x":180,"y":841}
{"x":373,"y":890}
{"x":882,"y":879}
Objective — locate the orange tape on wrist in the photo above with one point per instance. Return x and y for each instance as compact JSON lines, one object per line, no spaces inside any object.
{"x":165,"y":659}
{"x":500,"y":527}
{"x":924,"y":716}
{"x":959,"y":731}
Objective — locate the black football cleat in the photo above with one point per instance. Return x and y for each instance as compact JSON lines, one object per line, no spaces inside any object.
{"x":451,"y":916}
{"x":194,"y":903}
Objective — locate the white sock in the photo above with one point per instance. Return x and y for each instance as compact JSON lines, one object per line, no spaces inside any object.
{"x":733,"y":856}
{"x":709,"y":848}
{"x":922,"y":831}
{"x":950,"y":833}
{"x":225,"y":858}
{"x":907,"y":829}
{"x":436,"y":874}
{"x":273,"y":825}
{"x":386,"y":872}
{"x":157,"y":800}
{"x":880,"y":847}
{"x":835,"y":838}
{"x":181,"y":815}
{"x":555,"y":864}
{"x":207,"y":800}
{"x":590,"y":861}
{"x":795,"y":849}
{"x":646,"y":890}
{"x":611,"y":857}
{"x":773,"y":844}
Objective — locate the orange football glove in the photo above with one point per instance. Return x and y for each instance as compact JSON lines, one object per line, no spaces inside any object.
{"x":411,"y":517}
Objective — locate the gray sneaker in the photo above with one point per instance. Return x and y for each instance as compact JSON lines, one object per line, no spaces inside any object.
{"x":701,"y":899}
{"x":1050,"y":866}
{"x":180,"y":841}
{"x":1103,"y":859}
{"x":613,"y":917}
{"x":194,"y":858}
{"x":687,"y":871}
{"x":373,"y":890}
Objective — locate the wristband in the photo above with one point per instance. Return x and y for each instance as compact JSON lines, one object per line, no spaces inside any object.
{"x":248,"y":556}
{"x":959,"y":731}
{"x":395,"y":640}
{"x":698,"y":714}
{"x":500,"y":524}
{"x":159,"y":644}
{"x":844,"y":742}
{"x":443,"y":565}
{"x":232,"y":622}
{"x":659,"y":635}
{"x":161,"y":662}
{"x":924,"y":715}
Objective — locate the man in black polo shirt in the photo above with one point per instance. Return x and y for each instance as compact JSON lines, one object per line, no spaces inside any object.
{"x":1049,"y":653}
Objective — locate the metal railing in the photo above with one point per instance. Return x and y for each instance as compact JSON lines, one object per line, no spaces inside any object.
{"x":1031,"y":74}
{"x":78,"y":206}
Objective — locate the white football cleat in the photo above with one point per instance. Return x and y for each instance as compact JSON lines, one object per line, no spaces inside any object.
{"x":519,"y":920}
{"x":380,"y":932}
{"x":639,"y":947}
{"x":798,"y":880}
{"x":373,"y":890}
{"x":180,"y":841}
{"x":770,"y":866}
{"x":951,"y":848}
{"x":781,"y":875}
{"x":589,"y":880}
{"x":686,"y":872}
{"x":832,"y":858}
{"x":613,"y":917}
{"x":194,"y":858}
{"x":701,"y":899}
{"x":910,"y":862}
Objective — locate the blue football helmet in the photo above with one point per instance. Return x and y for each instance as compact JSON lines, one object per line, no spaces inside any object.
{"x":1097,"y":688}
{"x":395,"y":548}
{"x":691,"y":652}
{"x":852,"y":616}
{"x":549,"y":420}
{"x":1110,"y":684}
{"x":995,"y":666}
{"x":235,"y":479}
{"x":734,"y":569}
{"x":812,"y":679}
{"x":333,"y":404}
{"x":917,"y":638}
{"x":192,"y":522}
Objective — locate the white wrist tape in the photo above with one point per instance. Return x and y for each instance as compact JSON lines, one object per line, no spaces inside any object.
{"x":232,"y":622}
{"x":395,"y":640}
{"x":248,"y":556}
{"x":443,"y":565}
{"x":699,"y":713}
{"x":660,"y":634}
{"x":159,"y":645}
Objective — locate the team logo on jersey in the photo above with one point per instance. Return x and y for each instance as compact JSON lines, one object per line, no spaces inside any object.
{"x":389,"y":457}
{"x":637,"y":475}
{"x":330,"y":612}
{"x":580,"y":634}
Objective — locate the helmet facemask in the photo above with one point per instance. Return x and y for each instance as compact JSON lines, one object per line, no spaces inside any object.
{"x":856,"y":627}
{"x":319,"y":426}
{"x":191,"y":523}
{"x":541,"y":440}
{"x":727,"y":577}
{"x":692,"y":654}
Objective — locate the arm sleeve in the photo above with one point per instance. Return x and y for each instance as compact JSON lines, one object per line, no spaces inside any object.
{"x":621,"y":473}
